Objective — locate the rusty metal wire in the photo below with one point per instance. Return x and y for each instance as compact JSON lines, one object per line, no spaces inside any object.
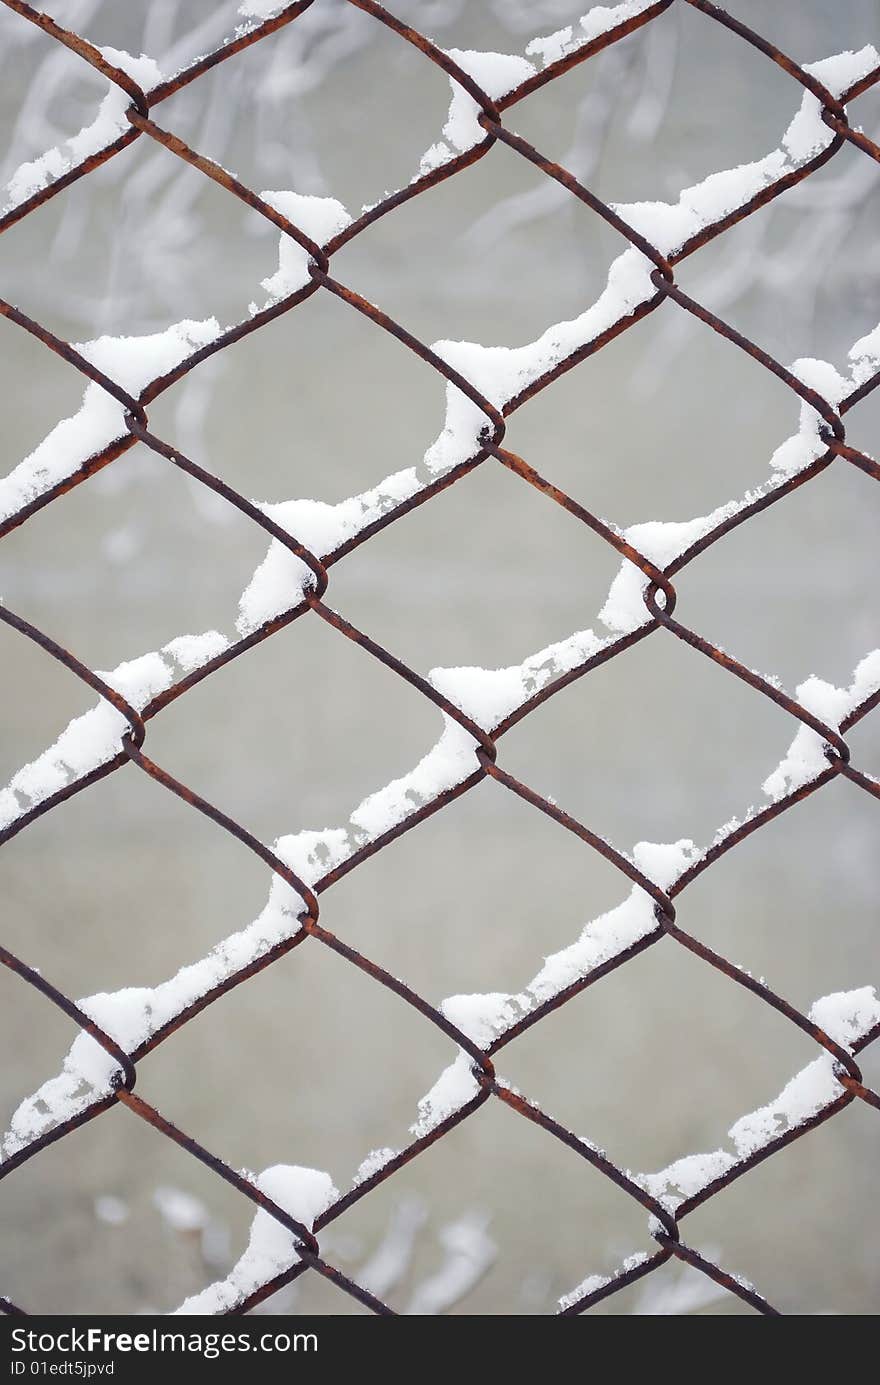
{"x":659,"y":596}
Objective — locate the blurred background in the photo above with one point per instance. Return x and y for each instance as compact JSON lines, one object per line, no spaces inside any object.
{"x":124,"y":884}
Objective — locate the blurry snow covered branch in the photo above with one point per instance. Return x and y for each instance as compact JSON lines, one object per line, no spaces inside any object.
{"x":163,"y":220}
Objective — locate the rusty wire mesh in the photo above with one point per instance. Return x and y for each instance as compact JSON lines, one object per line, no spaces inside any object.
{"x":659,"y":596}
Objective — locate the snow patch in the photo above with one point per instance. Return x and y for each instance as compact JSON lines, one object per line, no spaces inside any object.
{"x":109,"y":123}
{"x":598,"y":1281}
{"x":480,"y":1017}
{"x":375,"y":1160}
{"x":846,"y":1016}
{"x":487,"y":696}
{"x":805,"y":759}
{"x":496,"y":74}
{"x":303,"y":1194}
{"x":320,"y":218}
{"x":281,"y":579}
{"x":669,"y":225}
{"x":132,"y":362}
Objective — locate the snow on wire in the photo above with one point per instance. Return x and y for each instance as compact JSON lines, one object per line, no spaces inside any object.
{"x":484,"y":385}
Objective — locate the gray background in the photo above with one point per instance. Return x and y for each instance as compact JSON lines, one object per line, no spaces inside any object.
{"x":124,"y":884}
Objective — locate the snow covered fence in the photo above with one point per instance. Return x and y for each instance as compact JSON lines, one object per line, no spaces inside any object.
{"x":484,"y":385}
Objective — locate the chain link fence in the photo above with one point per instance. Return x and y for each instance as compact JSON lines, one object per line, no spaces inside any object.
{"x":483,"y":735}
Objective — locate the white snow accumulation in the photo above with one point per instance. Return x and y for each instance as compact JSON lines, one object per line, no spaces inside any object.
{"x":90,"y":740}
{"x":805,"y":759}
{"x":132,"y":362}
{"x":485,"y":1017}
{"x":109,"y":123}
{"x":497,"y":74}
{"x":303,"y":1194}
{"x":280,"y":580}
{"x":598,"y":1281}
{"x":94,"y":738}
{"x":500,"y":373}
{"x":134,"y":1014}
{"x":864,"y":356}
{"x":373,"y":1163}
{"x":487,"y":696}
{"x":845,"y":1016}
{"x":320,"y":218}
{"x":261,"y":9}
{"x":601,"y":19}
{"x":669,"y":225}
